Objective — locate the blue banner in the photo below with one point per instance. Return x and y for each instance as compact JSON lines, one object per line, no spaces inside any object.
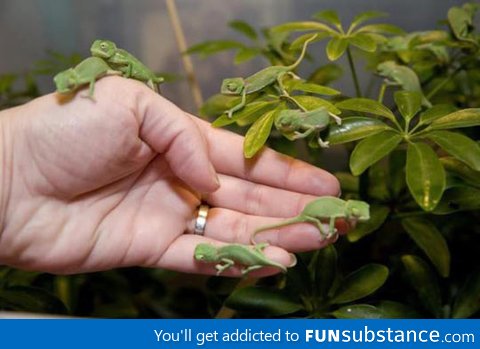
{"x":265,"y":334}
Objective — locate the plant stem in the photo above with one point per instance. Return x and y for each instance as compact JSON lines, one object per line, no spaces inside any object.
{"x":409,"y":214}
{"x":354,"y":73}
{"x":382,"y":92}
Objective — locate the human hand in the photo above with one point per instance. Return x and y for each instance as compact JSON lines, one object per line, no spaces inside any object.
{"x":114,"y":183}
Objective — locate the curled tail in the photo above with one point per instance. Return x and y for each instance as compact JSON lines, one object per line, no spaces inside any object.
{"x":278,"y":225}
{"x":304,"y":50}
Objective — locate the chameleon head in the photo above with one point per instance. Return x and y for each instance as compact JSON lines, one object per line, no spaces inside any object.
{"x":65,"y":81}
{"x":103,"y":48}
{"x":357,"y":210}
{"x":205,"y":252}
{"x":385,"y":67}
{"x":285,"y":121}
{"x":232,"y":86}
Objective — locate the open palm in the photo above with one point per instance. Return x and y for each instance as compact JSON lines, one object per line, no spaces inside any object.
{"x":114,"y":182}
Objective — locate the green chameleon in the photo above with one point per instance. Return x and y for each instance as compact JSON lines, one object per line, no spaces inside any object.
{"x":86,"y":72}
{"x":125,"y":62}
{"x":295,"y":124}
{"x":259,"y":80}
{"x":399,"y":75}
{"x":250,"y":257}
{"x":327,"y":207}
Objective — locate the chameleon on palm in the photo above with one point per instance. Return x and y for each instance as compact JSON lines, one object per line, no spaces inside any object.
{"x":327,"y":207}
{"x":250,"y":257}
{"x":125,"y":62}
{"x":295,"y":124}
{"x":86,"y":72}
{"x":260,"y":80}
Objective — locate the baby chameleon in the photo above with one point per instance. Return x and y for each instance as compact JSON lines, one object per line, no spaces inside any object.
{"x":259,"y":80}
{"x":86,"y":72}
{"x":250,"y":257}
{"x":399,"y":75}
{"x":295,"y":124}
{"x":125,"y":62}
{"x":327,"y":207}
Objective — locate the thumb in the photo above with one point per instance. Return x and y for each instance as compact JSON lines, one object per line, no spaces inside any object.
{"x":169,"y":131}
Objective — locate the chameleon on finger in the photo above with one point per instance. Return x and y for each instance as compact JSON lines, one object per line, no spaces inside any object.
{"x":125,"y":62}
{"x":400,"y":75}
{"x":86,"y":72}
{"x":295,"y":124}
{"x":327,"y":207}
{"x":260,"y":80}
{"x":250,"y":257}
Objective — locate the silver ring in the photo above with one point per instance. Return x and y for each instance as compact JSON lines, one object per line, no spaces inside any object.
{"x":201,"y":220}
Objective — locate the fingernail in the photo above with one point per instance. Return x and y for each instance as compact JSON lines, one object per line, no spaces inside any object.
{"x":293,"y":260}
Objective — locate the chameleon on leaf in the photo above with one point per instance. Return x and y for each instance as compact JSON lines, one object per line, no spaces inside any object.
{"x":295,"y":124}
{"x":260,"y":80}
{"x":125,"y":62}
{"x":86,"y":72}
{"x":326,"y":207}
{"x":400,"y":75}
{"x":250,"y":257}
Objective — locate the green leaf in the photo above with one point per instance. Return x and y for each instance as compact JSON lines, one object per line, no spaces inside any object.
{"x":378,"y":215}
{"x":254,"y":109}
{"x":324,"y":266}
{"x":363,"y":42}
{"x":467,"y":301}
{"x":348,"y":182}
{"x":217,"y":104}
{"x":459,"y":146}
{"x":309,"y":87}
{"x":244,"y":28}
{"x":30,"y":299}
{"x":361,"y":283}
{"x":311,"y":103}
{"x":329,"y":16}
{"x":366,"y":105}
{"x":245,"y":54}
{"x":298,"y":279}
{"x":326,"y":74}
{"x":462,"y":118}
{"x":396,"y":172}
{"x":435,"y":112}
{"x":298,"y":43}
{"x":381,"y":29}
{"x":302,"y":26}
{"x":431,"y":241}
{"x":372,"y":149}
{"x":395,"y":310}
{"x":425,"y":175}
{"x":458,"y":199}
{"x":355,"y":128}
{"x":262,"y":301}
{"x":461,"y":170}
{"x":461,"y":22}
{"x":211,"y":47}
{"x":258,"y":134}
{"x":424,"y":282}
{"x":336,"y":48}
{"x":363,"y":17}
{"x":409,"y":103}
{"x":358,"y":311}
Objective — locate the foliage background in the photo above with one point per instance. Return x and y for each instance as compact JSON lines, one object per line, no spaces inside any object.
{"x":326,"y":283}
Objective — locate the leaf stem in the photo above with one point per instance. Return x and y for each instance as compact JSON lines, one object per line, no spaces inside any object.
{"x":382,"y":92}
{"x":354,"y":73}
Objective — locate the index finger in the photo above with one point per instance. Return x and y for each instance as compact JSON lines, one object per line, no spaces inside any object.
{"x":268,"y":167}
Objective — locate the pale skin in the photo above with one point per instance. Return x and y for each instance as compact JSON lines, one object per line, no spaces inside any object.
{"x":88,"y":186}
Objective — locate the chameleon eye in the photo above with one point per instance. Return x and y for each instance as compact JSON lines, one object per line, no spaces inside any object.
{"x":103,"y":45}
{"x":231,"y":86}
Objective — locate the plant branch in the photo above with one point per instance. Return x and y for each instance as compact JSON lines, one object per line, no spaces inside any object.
{"x":182,"y":47}
{"x":354,"y":73}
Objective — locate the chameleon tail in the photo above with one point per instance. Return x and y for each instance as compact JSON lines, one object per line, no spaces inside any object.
{"x":302,"y":55}
{"x":279,"y":225}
